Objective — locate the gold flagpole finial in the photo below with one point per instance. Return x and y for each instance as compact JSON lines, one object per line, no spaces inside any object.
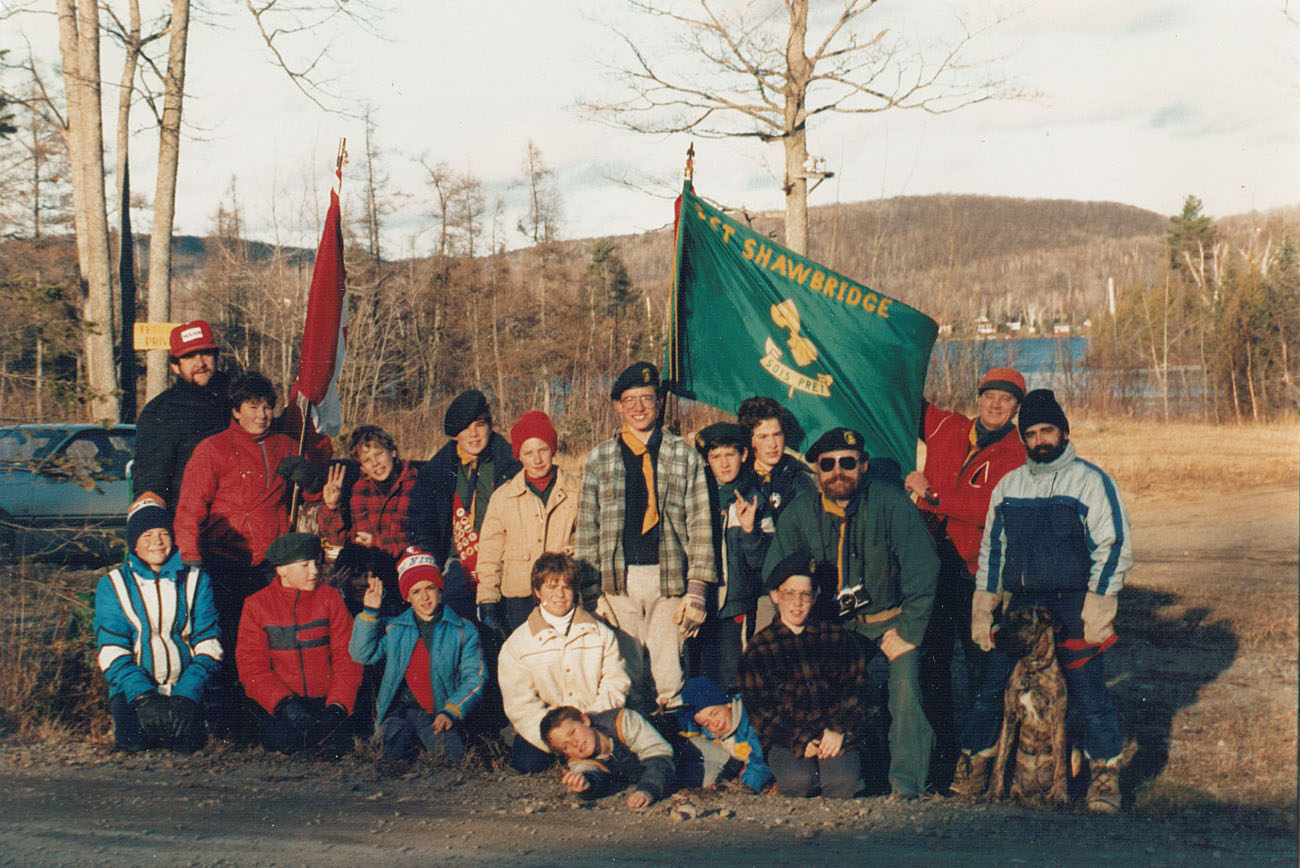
{"x":690,"y":162}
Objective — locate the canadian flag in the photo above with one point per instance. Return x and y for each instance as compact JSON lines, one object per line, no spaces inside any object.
{"x":324,"y":334}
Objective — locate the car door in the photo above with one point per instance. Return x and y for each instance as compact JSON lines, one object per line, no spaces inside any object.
{"x":82,"y":493}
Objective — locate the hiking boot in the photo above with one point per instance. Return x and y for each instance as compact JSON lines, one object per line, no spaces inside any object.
{"x":972,"y":776}
{"x":1103,"y":792}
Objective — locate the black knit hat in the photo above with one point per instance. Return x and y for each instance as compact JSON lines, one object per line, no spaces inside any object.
{"x":836,"y":438}
{"x":292,"y":548}
{"x":637,"y":374}
{"x":799,"y":563}
{"x":144,"y":515}
{"x":464,"y":409}
{"x":721,"y":434}
{"x":1038,"y":407}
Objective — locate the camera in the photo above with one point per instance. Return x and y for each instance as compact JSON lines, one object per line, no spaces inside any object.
{"x":851,"y":599}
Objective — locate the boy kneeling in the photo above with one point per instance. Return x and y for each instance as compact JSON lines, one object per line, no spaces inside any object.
{"x":434,"y":674}
{"x":607,"y":751}
{"x":801,"y":681}
{"x":293,"y":654}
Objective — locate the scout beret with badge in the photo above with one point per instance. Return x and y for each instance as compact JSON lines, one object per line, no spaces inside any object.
{"x":635,"y":375}
{"x":833,"y":440}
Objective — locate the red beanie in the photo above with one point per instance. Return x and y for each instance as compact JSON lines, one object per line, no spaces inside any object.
{"x":532,"y":424}
{"x":1007,"y":379}
{"x":416,"y":567}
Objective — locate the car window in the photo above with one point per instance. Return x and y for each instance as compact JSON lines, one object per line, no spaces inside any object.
{"x":98,"y":454}
{"x":25,"y":445}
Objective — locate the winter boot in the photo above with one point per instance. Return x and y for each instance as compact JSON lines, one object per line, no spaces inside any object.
{"x":1103,"y":792}
{"x":972,"y":776}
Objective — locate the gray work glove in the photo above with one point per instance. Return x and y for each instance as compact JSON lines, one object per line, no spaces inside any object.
{"x":1099,"y":617}
{"x":983,"y":605}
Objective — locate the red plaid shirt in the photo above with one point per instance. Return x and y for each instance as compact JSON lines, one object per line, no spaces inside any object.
{"x":373,"y":512}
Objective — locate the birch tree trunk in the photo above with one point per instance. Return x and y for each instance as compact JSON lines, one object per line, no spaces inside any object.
{"x":164,"y":203}
{"x":79,"y":51}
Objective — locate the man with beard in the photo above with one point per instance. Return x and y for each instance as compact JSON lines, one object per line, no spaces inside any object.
{"x":964,"y":459}
{"x":174,"y":422}
{"x":875,"y":571}
{"x":1057,"y":535}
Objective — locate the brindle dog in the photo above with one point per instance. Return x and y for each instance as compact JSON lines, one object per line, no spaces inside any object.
{"x":1033,"y":717}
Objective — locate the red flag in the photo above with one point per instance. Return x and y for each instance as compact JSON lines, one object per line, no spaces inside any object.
{"x":320,"y":361}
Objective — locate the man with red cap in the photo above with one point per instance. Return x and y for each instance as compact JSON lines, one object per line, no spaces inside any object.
{"x":174,"y":422}
{"x":535,"y":512}
{"x":434,"y":673}
{"x":964,"y":459}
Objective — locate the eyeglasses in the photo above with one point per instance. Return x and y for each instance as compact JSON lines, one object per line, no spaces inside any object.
{"x":847,"y":462}
{"x":797,"y":596}
{"x":635,"y":400}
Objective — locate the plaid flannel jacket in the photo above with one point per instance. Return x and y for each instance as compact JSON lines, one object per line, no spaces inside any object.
{"x":685,"y":523}
{"x":382,"y":515}
{"x":796,"y":685}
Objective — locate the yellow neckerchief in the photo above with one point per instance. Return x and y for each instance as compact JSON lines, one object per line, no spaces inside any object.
{"x":471,"y":463}
{"x":648,"y":471}
{"x":764,"y":471}
{"x":833,"y":508}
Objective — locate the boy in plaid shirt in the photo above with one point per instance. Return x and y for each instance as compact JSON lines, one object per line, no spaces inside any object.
{"x":801,"y":681}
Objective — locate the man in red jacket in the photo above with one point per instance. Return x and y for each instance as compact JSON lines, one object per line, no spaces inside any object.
{"x":964,"y":459}
{"x":293,"y":654}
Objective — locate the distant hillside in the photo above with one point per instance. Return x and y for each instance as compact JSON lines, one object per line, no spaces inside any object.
{"x":957,"y":257}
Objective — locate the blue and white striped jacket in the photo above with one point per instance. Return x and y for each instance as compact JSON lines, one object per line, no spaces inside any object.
{"x":1059,"y":526}
{"x":157,"y":631}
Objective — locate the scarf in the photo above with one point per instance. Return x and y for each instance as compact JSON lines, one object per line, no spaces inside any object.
{"x":982,"y":438}
{"x":764,"y":471}
{"x":647,"y":469}
{"x":470,"y":463}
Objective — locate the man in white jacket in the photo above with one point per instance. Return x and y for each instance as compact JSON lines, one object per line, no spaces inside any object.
{"x":1057,"y":535}
{"x":560,"y":656}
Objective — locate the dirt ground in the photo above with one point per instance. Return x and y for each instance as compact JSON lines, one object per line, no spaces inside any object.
{"x":1204,"y":674}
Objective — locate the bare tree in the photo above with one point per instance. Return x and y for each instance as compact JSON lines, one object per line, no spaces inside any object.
{"x":79,"y":49}
{"x":764,"y":70}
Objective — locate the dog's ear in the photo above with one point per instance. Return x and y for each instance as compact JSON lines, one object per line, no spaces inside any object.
{"x":1058,"y":626}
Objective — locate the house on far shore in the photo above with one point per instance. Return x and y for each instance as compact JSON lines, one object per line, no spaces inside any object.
{"x":1061,"y":328}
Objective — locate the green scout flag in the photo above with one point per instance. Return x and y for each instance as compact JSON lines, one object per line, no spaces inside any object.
{"x":749,"y":317}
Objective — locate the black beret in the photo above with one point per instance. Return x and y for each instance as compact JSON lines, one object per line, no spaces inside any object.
{"x":722,"y":434}
{"x":464,"y":409}
{"x":836,"y":438}
{"x":637,"y":374}
{"x":799,"y":563}
{"x":1038,"y":407}
{"x":292,"y":548}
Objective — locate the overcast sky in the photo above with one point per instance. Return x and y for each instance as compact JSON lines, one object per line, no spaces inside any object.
{"x":1140,"y":102}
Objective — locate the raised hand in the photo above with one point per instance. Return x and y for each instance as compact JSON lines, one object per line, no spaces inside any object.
{"x":374,"y":593}
{"x":333,"y":490}
{"x":745,"y":512}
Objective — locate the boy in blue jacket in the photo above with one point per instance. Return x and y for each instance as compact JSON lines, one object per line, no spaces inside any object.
{"x":157,"y":636}
{"x":434,"y":674}
{"x":742,"y":532}
{"x":716,"y":725}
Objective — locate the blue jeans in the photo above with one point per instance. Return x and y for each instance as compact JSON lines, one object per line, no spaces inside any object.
{"x":798,"y":777}
{"x":408,"y":727}
{"x":526,"y":759}
{"x":1095,"y":722}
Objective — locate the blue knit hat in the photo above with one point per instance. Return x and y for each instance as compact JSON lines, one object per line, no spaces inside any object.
{"x":144,"y":515}
{"x":699,"y":693}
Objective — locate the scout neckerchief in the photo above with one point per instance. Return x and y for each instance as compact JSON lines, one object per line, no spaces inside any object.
{"x":833,"y":508}
{"x":647,"y":469}
{"x":463,"y":534}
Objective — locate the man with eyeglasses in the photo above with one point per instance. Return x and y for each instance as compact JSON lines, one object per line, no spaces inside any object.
{"x":645,"y":529}
{"x":875,"y":572}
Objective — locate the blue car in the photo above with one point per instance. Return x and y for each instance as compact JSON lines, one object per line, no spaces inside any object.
{"x":64,"y":490}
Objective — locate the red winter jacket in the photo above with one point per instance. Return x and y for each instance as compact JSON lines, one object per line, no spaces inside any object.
{"x":295,"y":643}
{"x":964,"y":485}
{"x":232,"y":503}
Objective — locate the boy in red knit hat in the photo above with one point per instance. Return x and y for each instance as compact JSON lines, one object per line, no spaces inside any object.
{"x":433,"y":673}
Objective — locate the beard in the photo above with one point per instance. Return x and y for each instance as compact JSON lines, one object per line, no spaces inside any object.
{"x":840,"y":487}
{"x":1044,"y":454}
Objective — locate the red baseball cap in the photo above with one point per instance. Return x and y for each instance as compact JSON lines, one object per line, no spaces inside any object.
{"x":192,"y":337}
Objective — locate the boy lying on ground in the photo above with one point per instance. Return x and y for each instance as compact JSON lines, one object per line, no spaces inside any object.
{"x":608,"y":751}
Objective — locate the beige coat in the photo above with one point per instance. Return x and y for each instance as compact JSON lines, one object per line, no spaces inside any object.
{"x":541,"y":669}
{"x":517,"y":530}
